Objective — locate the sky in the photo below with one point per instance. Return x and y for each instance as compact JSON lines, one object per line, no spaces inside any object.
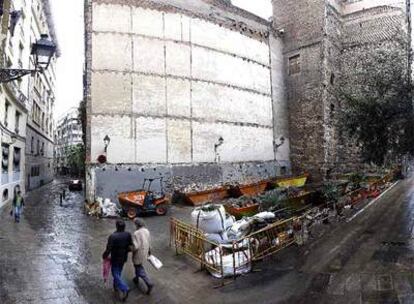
{"x":68,"y":19}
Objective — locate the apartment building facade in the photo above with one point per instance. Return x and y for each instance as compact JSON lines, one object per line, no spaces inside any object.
{"x":40,"y":126}
{"x":13,"y":107}
{"x":26,"y":104}
{"x":68,"y":134}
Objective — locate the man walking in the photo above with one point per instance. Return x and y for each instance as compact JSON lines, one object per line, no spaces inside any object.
{"x":119,"y":243}
{"x":142,"y":247}
{"x":18,"y":203}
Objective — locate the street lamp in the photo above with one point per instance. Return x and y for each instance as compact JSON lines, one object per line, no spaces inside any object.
{"x":282,"y":141}
{"x":42,"y":51}
{"x":107,"y":140}
{"x":216,"y":146}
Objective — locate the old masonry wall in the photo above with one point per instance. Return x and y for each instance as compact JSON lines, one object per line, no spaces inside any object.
{"x":166,"y":79}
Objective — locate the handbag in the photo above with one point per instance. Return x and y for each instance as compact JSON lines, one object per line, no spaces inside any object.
{"x":106,"y":267}
{"x":155,"y":262}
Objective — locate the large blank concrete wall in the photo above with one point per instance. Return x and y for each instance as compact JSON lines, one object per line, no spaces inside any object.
{"x":165,"y":87}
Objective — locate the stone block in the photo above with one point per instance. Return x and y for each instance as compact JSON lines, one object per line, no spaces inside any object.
{"x":151,"y":140}
{"x":111,"y":18}
{"x":220,"y":103}
{"x":149,"y":55}
{"x":149,"y":95}
{"x":111,"y":52}
{"x":111,"y":92}
{"x":178,"y":59}
{"x":179,"y":141}
{"x":178,"y":97}
{"x":147,"y":22}
{"x":119,"y":129}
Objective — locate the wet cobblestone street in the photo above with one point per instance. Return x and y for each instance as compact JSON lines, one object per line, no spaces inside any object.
{"x":54,"y":256}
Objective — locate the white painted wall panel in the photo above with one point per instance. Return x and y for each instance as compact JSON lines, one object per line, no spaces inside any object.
{"x":241,"y":143}
{"x":144,"y":139}
{"x":147,"y":22}
{"x":211,"y":35}
{"x":148,"y":55}
{"x":149,"y":95}
{"x":111,"y":51}
{"x":179,"y":141}
{"x":178,"y":59}
{"x":111,"y":92}
{"x":151,"y":143}
{"x":118,"y":128}
{"x":177,"y":27}
{"x":178,"y":97}
{"x":112,"y":18}
{"x":219,"y":67}
{"x":215,"y":102}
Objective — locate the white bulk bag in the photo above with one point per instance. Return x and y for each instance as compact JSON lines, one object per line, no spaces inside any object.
{"x":210,"y":221}
{"x":241,"y":262}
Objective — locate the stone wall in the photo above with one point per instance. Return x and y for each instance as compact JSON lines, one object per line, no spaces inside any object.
{"x":302,"y":26}
{"x":328,"y":36}
{"x":166,"y":79}
{"x":113,"y":179}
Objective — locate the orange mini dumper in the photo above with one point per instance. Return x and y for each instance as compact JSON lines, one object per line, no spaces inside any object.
{"x":144,"y":201}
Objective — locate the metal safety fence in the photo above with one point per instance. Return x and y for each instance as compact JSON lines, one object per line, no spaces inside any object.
{"x":237,"y":257}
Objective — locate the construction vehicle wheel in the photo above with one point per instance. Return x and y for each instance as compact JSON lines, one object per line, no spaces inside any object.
{"x":161,"y":209}
{"x":132,"y":213}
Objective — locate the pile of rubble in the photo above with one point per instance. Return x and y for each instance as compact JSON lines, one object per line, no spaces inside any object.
{"x":102,"y":208}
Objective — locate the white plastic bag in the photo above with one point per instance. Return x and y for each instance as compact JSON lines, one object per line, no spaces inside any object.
{"x":155,"y":262}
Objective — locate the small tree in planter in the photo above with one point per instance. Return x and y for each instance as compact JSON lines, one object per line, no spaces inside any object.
{"x":330,"y":194}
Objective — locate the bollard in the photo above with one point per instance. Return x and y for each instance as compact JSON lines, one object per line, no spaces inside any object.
{"x":64,"y":193}
{"x":61,"y":198}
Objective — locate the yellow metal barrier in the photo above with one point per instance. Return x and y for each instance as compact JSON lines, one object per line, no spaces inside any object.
{"x":271,"y":239}
{"x":191,"y":241}
{"x":263,"y":243}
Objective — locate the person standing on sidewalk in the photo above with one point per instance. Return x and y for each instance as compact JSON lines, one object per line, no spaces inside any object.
{"x":142,"y":248}
{"x":18,"y":203}
{"x":119,"y":243}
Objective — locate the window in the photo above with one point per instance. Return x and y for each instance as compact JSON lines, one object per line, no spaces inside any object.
{"x":6,"y":113}
{"x":17,"y":123}
{"x":5,"y":195}
{"x":32,"y":145}
{"x":42,"y":151}
{"x":294,"y":65}
{"x":35,"y":171}
{"x":16,"y":160}
{"x":5,"y":158}
{"x":332,"y":80}
{"x":38,"y":147}
{"x":21,"y":48}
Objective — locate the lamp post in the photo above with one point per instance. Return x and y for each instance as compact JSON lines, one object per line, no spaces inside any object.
{"x":107,"y":140}
{"x":42,"y":51}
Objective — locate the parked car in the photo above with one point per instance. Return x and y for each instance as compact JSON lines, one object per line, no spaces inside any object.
{"x":75,"y":185}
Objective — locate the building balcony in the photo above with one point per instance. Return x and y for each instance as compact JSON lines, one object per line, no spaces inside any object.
{"x":17,"y":93}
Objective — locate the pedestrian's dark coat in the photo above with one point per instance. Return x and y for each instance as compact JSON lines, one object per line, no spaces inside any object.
{"x":119,"y":243}
{"x":15,"y":201}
